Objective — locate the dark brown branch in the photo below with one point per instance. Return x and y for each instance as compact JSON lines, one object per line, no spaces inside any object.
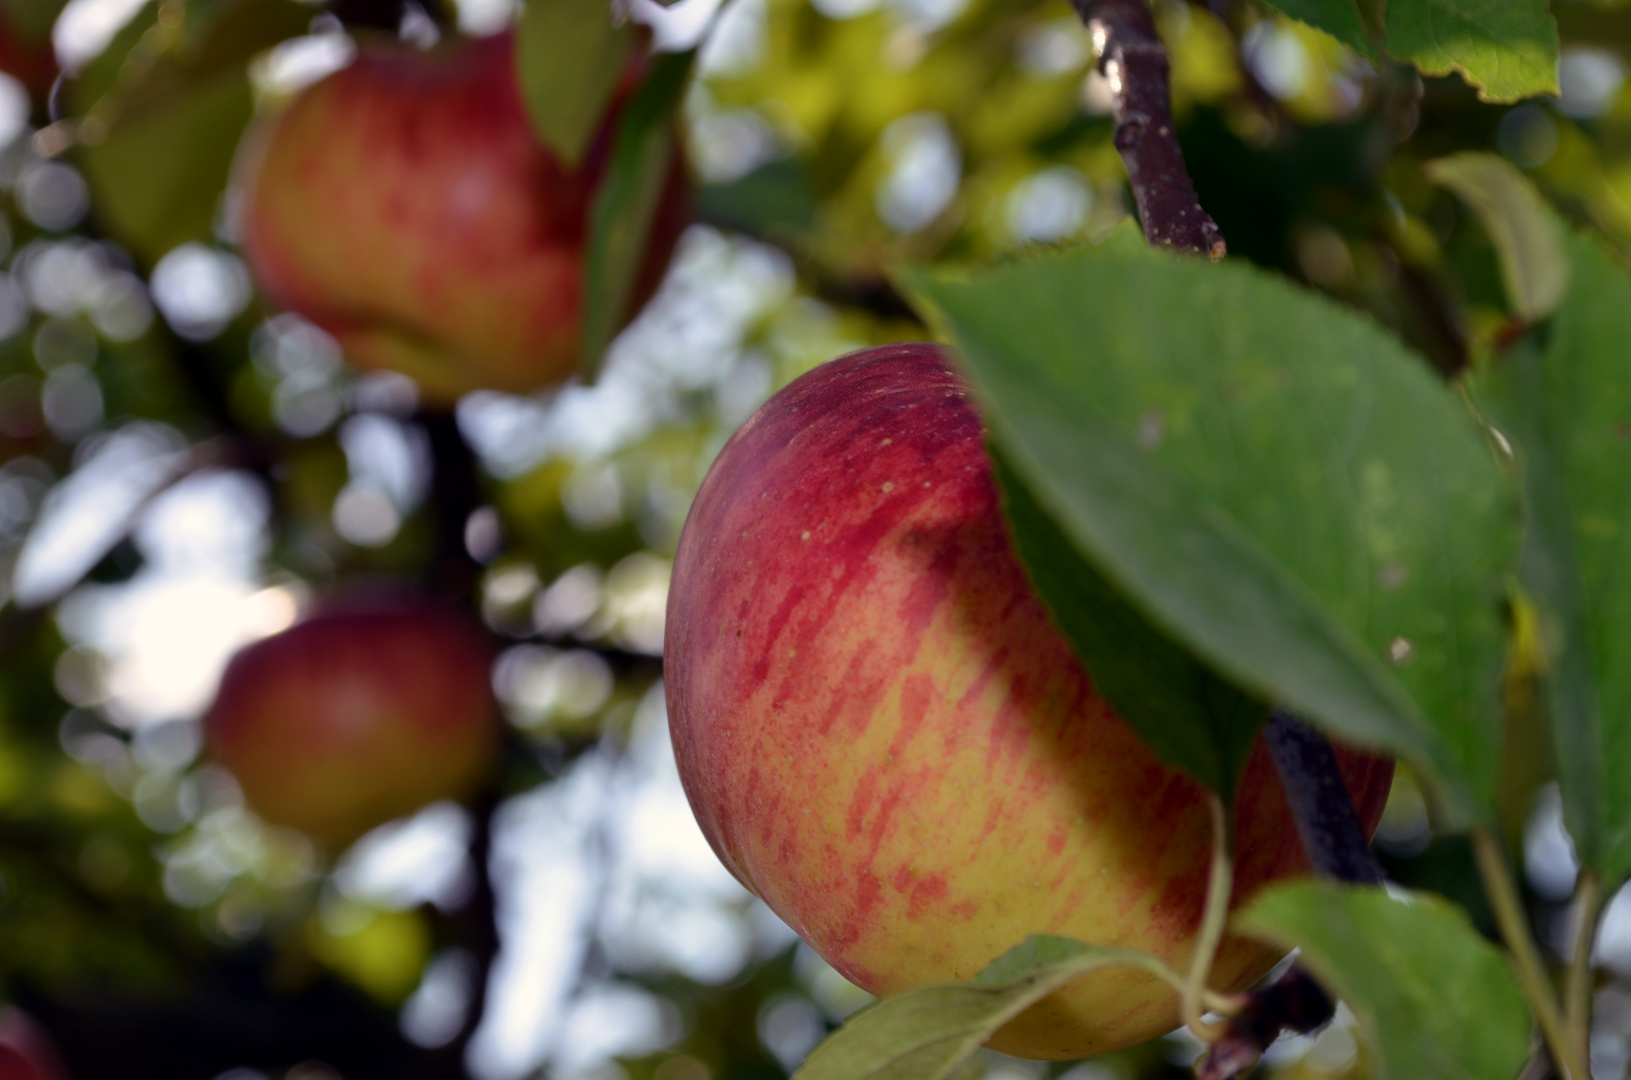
{"x":1327,"y":821}
{"x":455,"y":494}
{"x":476,"y":931}
{"x":1132,"y":57}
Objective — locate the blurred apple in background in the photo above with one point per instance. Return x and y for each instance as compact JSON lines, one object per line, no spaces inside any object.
{"x":885,"y":736}
{"x":26,"y":1052}
{"x":25,"y":45}
{"x":406,"y":205}
{"x":357,"y":716}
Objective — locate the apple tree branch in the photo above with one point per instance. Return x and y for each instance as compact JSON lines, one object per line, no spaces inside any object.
{"x":1135,"y":62}
{"x":1133,"y":59}
{"x":1327,"y":821}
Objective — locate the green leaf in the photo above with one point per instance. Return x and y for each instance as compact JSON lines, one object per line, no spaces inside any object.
{"x":1528,"y":237}
{"x":1507,"y":49}
{"x":1271,"y":479}
{"x":162,"y":110}
{"x":775,"y":201}
{"x":570,"y":58}
{"x":1194,"y":720}
{"x":155,"y":184}
{"x":1339,"y":18}
{"x":1562,"y":397}
{"x":626,"y":203}
{"x":925,"y":1034}
{"x":1432,"y":997}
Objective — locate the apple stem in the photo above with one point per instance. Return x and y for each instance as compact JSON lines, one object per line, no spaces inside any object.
{"x":1133,"y":59}
{"x":1215,"y":917}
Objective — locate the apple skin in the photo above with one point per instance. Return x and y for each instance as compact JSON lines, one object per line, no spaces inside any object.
{"x":406,"y":205}
{"x":357,"y":716}
{"x":886,"y":738}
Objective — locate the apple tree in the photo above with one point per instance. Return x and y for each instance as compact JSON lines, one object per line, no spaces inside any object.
{"x":1297,"y":332}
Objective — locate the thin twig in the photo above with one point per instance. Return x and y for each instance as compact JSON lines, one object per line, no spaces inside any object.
{"x":1531,"y":972}
{"x":1133,"y":59}
{"x":1213,"y":922}
{"x":1588,"y":899}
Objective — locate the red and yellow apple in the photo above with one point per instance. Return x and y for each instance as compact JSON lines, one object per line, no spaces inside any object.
{"x":356,"y":716}
{"x":886,"y":738}
{"x":406,"y":205}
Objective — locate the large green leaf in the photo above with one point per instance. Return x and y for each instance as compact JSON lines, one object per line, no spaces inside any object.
{"x":1339,"y":18}
{"x":1194,"y":720}
{"x":1432,"y":997}
{"x":1528,"y":237}
{"x":925,"y":1034}
{"x":1563,"y":400}
{"x":1505,"y":48}
{"x":626,"y":203}
{"x":161,"y":112}
{"x":1270,"y":479}
{"x":570,"y":57}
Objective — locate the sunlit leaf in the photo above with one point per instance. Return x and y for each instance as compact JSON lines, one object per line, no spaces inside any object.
{"x":1505,"y":48}
{"x":1339,"y":18}
{"x":1527,"y":234}
{"x":570,"y":57}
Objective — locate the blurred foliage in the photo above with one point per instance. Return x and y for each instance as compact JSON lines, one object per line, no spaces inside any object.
{"x":146,"y":918}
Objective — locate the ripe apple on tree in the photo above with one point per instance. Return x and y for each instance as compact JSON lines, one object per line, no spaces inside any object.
{"x":885,"y":737}
{"x":358,"y":715}
{"x":406,"y":205}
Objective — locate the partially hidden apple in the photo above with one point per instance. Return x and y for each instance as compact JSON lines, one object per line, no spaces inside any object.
{"x":886,"y":738}
{"x":406,"y":205}
{"x":357,"y":715}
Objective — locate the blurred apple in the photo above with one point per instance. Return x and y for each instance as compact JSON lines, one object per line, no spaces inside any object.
{"x":26,"y":1052}
{"x":357,"y":716}
{"x":406,"y":205}
{"x":28,"y":58}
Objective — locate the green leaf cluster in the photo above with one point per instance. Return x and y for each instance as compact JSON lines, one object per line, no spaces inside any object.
{"x":1508,"y":49}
